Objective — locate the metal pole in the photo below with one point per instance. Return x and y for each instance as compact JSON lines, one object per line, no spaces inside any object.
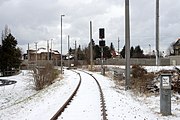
{"x":2,"y":37}
{"x":36,"y":52}
{"x":101,"y":57}
{"x":75,"y":53}
{"x":102,"y":62}
{"x":157,"y":33}
{"x":68,"y":53}
{"x":150,"y":50}
{"x":118,"y":44}
{"x":91,"y":48}
{"x":48,"y":50}
{"x":127,"y":45}
{"x":61,"y":46}
{"x":28,"y":55}
{"x":51,"y":50}
{"x":51,"y":44}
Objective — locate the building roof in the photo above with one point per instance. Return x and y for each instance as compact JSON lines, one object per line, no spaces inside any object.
{"x":44,"y":50}
{"x":55,"y":51}
{"x":177,"y":42}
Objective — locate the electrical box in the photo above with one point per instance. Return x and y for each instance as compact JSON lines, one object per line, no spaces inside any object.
{"x":165,"y":94}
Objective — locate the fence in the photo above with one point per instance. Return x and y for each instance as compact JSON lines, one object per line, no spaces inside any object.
{"x":146,"y":62}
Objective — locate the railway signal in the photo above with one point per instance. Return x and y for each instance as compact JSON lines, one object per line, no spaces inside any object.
{"x":102,"y":44}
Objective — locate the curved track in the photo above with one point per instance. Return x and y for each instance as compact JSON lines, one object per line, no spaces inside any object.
{"x":59,"y":112}
{"x":102,"y":107}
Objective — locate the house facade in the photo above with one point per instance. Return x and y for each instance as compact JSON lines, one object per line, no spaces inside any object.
{"x":176,"y":47}
{"x":43,"y":54}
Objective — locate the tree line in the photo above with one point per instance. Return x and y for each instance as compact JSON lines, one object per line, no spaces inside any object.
{"x":136,"y":52}
{"x":84,"y":54}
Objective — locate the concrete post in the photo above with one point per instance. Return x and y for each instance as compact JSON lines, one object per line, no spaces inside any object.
{"x":91,"y":46}
{"x":157,"y":34}
{"x":127,"y":45}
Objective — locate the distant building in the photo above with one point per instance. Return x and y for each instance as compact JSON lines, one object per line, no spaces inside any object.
{"x":115,"y":54}
{"x":42,"y":54}
{"x":43,"y":57}
{"x":176,"y":47}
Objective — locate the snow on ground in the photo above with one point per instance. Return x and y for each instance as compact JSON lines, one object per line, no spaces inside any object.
{"x":148,"y":68}
{"x":10,"y":93}
{"x":158,"y":68}
{"x":125,"y":105}
{"x":20,"y":101}
{"x":34,"y":105}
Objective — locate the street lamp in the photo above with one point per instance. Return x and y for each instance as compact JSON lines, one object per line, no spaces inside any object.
{"x":36,"y":51}
{"x":51,"y":58}
{"x":150,"y":50}
{"x":61,"y":44}
{"x":68,"y":54}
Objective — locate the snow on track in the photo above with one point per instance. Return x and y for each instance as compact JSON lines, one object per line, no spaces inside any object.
{"x":86,"y":103}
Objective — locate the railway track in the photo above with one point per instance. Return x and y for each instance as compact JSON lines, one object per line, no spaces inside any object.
{"x":103,"y":105}
{"x":64,"y":108}
{"x":59,"y":112}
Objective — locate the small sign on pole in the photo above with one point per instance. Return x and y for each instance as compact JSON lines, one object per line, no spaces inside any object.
{"x":165,"y":81}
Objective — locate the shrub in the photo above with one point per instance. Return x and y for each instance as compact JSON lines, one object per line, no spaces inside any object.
{"x":45,"y":76}
{"x":141,"y":79}
{"x":138,"y":71}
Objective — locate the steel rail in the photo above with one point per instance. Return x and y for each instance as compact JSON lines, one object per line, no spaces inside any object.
{"x":102,"y":101}
{"x":103,"y":104}
{"x":59,"y":112}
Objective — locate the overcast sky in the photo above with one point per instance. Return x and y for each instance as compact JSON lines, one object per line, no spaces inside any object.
{"x":39,"y":20}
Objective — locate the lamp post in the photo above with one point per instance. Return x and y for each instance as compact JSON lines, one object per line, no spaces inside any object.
{"x":48,"y":50}
{"x":68,"y":54}
{"x":36,"y":52}
{"x":28,"y":56}
{"x":118,"y":45}
{"x":150,"y":50}
{"x":61,"y":45}
{"x":51,"y":51}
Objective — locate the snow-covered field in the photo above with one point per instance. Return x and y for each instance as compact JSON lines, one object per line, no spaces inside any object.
{"x":21,"y":102}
